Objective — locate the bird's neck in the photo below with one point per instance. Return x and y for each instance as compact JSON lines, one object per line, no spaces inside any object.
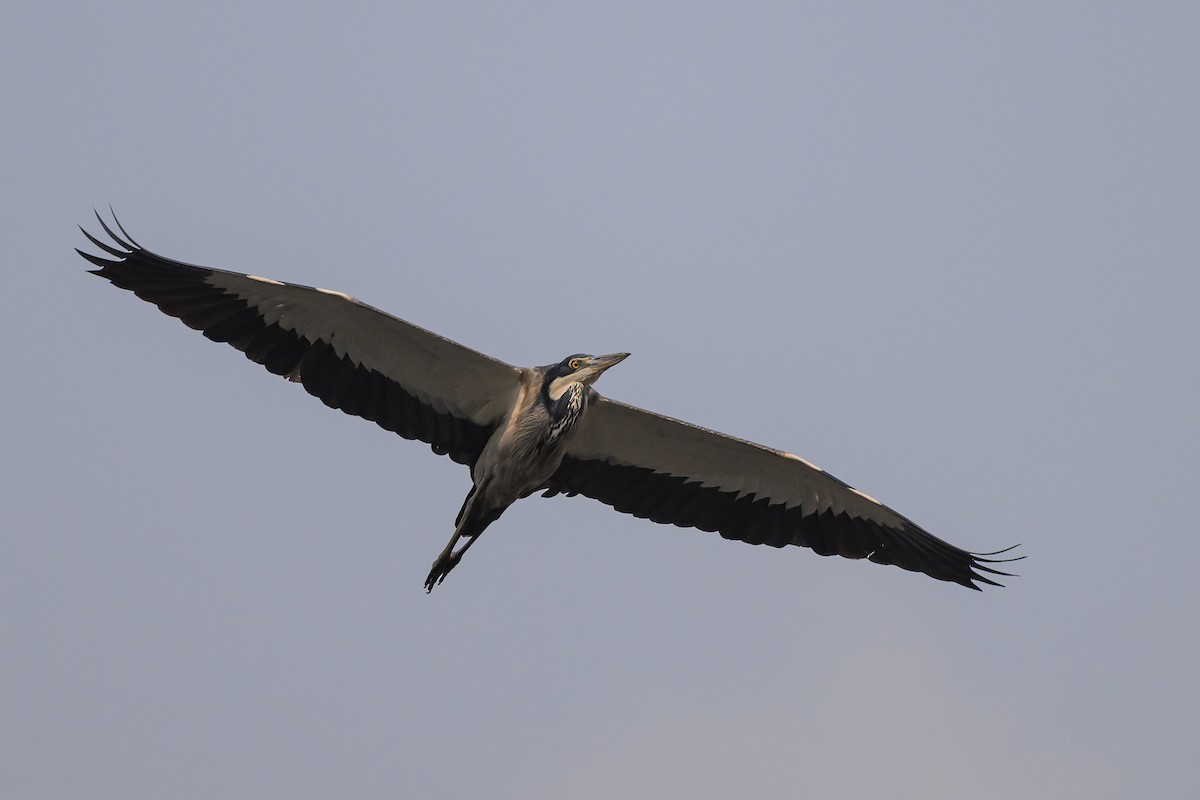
{"x":565,"y":410}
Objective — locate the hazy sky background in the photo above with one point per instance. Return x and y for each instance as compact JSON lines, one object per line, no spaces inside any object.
{"x":947,"y":253}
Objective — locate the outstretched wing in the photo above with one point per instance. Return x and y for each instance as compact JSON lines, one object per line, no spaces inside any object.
{"x":353,"y":357}
{"x":670,"y":471}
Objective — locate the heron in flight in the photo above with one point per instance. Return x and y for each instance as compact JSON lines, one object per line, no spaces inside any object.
{"x":523,"y":430}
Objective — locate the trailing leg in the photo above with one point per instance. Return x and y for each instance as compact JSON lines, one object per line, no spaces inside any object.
{"x":472,"y":520}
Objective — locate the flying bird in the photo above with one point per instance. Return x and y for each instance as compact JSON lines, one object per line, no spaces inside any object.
{"x":523,"y":430}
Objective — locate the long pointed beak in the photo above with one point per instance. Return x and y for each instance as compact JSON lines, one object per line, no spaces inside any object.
{"x":597,"y":365}
{"x":602,"y":363}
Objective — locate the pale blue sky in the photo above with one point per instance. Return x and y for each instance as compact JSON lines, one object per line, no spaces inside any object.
{"x":949,"y":254}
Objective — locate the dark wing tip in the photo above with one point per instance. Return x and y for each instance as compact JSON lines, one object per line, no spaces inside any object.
{"x":980,"y":556}
{"x":121,"y":228}
{"x":102,"y":263}
{"x":978,"y":562}
{"x":130,"y":246}
{"x":125,"y":247}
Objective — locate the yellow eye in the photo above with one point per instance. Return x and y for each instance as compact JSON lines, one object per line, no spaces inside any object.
{"x":575,"y":363}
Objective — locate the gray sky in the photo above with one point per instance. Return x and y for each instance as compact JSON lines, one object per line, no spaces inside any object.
{"x":949,"y":255}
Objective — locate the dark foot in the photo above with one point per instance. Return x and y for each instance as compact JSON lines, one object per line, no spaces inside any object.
{"x":441,"y":568}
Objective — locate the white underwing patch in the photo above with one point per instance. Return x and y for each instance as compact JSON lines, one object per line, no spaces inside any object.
{"x":805,"y":462}
{"x":864,"y":495}
{"x":342,"y":295}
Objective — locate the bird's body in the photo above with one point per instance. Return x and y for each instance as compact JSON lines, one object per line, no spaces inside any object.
{"x":522,"y":454}
{"x":524,"y":430}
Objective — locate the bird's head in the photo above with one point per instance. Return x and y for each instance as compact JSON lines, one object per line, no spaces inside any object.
{"x":579,"y":368}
